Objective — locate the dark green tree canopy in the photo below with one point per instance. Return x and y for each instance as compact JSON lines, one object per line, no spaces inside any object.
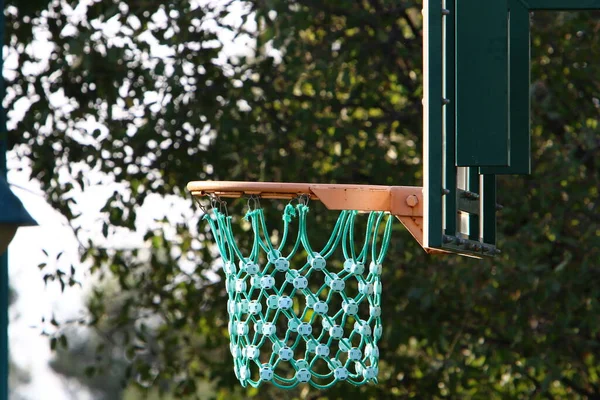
{"x":140,"y":93}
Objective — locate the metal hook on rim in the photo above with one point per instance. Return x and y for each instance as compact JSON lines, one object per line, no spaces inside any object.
{"x":304,"y":199}
{"x":218,"y":204}
{"x":253,"y":200}
{"x":214,"y":201}
{"x":292,"y":199}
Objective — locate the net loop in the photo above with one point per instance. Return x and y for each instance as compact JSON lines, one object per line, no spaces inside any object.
{"x":217,"y":203}
{"x":295,"y":315}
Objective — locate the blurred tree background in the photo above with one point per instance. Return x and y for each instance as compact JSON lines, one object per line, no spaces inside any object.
{"x":145,"y":95}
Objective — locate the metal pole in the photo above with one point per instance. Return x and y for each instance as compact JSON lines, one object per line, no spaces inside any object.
{"x":4,"y":257}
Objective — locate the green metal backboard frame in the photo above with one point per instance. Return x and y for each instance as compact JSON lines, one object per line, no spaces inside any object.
{"x":519,"y":79}
{"x":476,"y":113}
{"x":459,"y":203}
{"x":482,"y":82}
{"x":519,"y":54}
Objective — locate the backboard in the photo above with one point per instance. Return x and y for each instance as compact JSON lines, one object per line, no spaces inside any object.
{"x":459,"y":202}
{"x":476,"y":113}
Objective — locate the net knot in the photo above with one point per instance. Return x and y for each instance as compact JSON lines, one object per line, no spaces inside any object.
{"x":302,"y":208}
{"x":289,"y":213}
{"x":251,"y":214}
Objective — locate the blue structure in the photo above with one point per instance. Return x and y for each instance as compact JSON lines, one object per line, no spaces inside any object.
{"x":12,"y":215}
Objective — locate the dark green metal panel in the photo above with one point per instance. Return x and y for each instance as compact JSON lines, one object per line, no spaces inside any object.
{"x":433,"y":54}
{"x":475,"y":108}
{"x":519,"y":76}
{"x":562,"y":4}
{"x":450,"y":200}
{"x":520,"y":100}
{"x":442,"y":196}
{"x":482,"y":135}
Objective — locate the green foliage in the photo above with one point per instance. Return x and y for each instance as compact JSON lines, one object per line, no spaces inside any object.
{"x":331,"y":93}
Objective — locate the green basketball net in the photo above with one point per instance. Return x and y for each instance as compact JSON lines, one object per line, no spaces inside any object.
{"x":294,"y":317}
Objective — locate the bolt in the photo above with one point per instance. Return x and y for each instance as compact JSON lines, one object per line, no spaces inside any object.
{"x":492,"y":250}
{"x":445,"y":11}
{"x":472,"y":246}
{"x":445,"y":192}
{"x":499,"y":207}
{"x":445,"y":101}
{"x":412,"y":200}
{"x":470,"y":195}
